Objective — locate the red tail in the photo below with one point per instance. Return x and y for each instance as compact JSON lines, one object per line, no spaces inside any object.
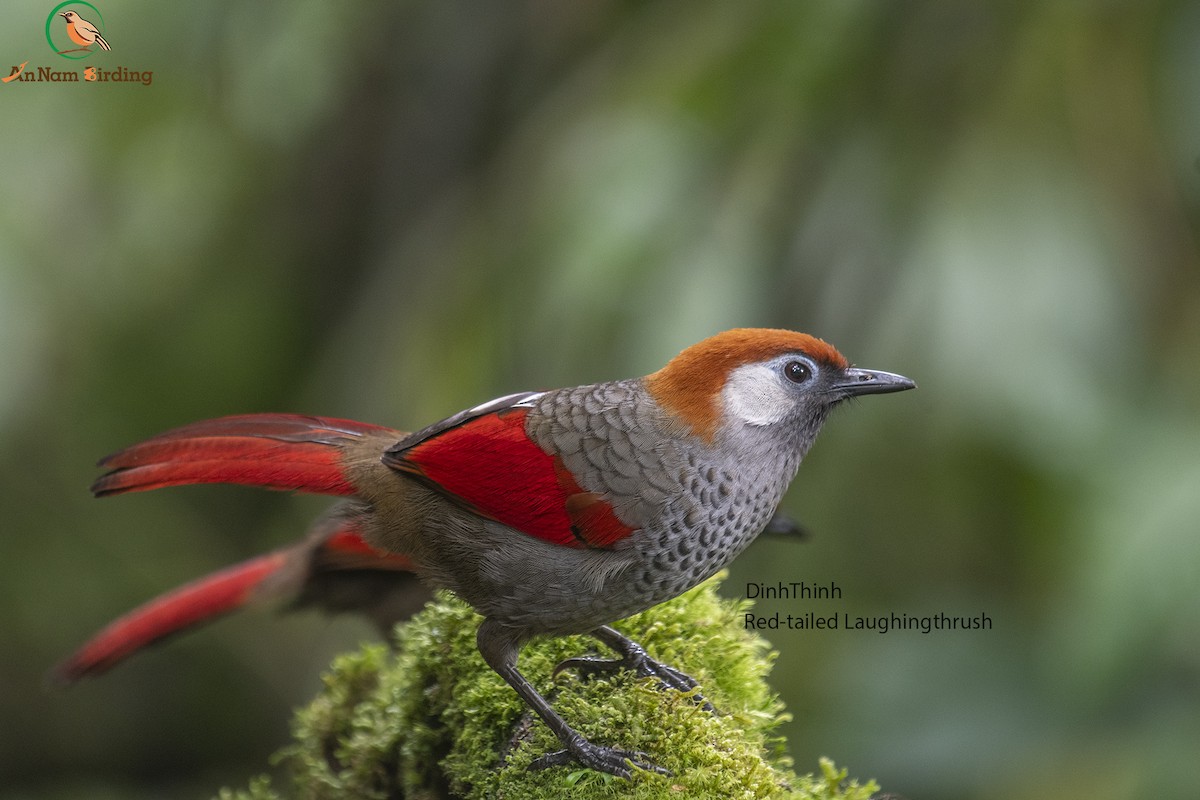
{"x":283,"y":573}
{"x":195,"y":603}
{"x":276,"y":451}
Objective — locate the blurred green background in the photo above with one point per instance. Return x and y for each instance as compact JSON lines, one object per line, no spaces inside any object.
{"x":391,"y":211}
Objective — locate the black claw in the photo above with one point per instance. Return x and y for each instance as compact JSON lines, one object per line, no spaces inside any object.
{"x":600,"y":758}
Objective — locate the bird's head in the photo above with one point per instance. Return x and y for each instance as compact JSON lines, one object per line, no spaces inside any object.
{"x":69,"y":16}
{"x":762,"y":379}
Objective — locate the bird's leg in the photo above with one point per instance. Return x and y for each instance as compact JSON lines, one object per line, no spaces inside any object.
{"x":633,"y":657}
{"x":500,"y":646}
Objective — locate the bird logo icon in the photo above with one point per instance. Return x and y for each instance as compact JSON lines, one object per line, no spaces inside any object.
{"x":82,"y":32}
{"x":75,"y":29}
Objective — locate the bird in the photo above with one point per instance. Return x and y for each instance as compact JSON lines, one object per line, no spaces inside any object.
{"x":82,"y":32}
{"x":549,"y":512}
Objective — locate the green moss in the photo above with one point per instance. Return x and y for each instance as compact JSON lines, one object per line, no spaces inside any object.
{"x":433,"y":721}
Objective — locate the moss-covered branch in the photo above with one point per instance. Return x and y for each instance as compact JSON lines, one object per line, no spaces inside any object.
{"x":432,"y":721}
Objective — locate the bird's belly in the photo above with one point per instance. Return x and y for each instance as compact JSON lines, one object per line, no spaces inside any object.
{"x":573,"y":590}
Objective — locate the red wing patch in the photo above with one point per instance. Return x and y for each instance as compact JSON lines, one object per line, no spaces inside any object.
{"x":489,"y":464}
{"x":591,"y":516}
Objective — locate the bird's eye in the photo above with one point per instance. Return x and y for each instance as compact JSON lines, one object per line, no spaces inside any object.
{"x":796,"y":371}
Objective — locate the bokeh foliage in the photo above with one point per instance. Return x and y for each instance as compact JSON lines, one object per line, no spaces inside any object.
{"x":393,"y":211}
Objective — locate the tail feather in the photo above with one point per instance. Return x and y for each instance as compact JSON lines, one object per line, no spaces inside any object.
{"x":275,"y":451}
{"x":193,"y":604}
{"x":296,"y":571}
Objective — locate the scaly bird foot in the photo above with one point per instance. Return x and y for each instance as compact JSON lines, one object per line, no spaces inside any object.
{"x":635,"y":658}
{"x":602,"y":759}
